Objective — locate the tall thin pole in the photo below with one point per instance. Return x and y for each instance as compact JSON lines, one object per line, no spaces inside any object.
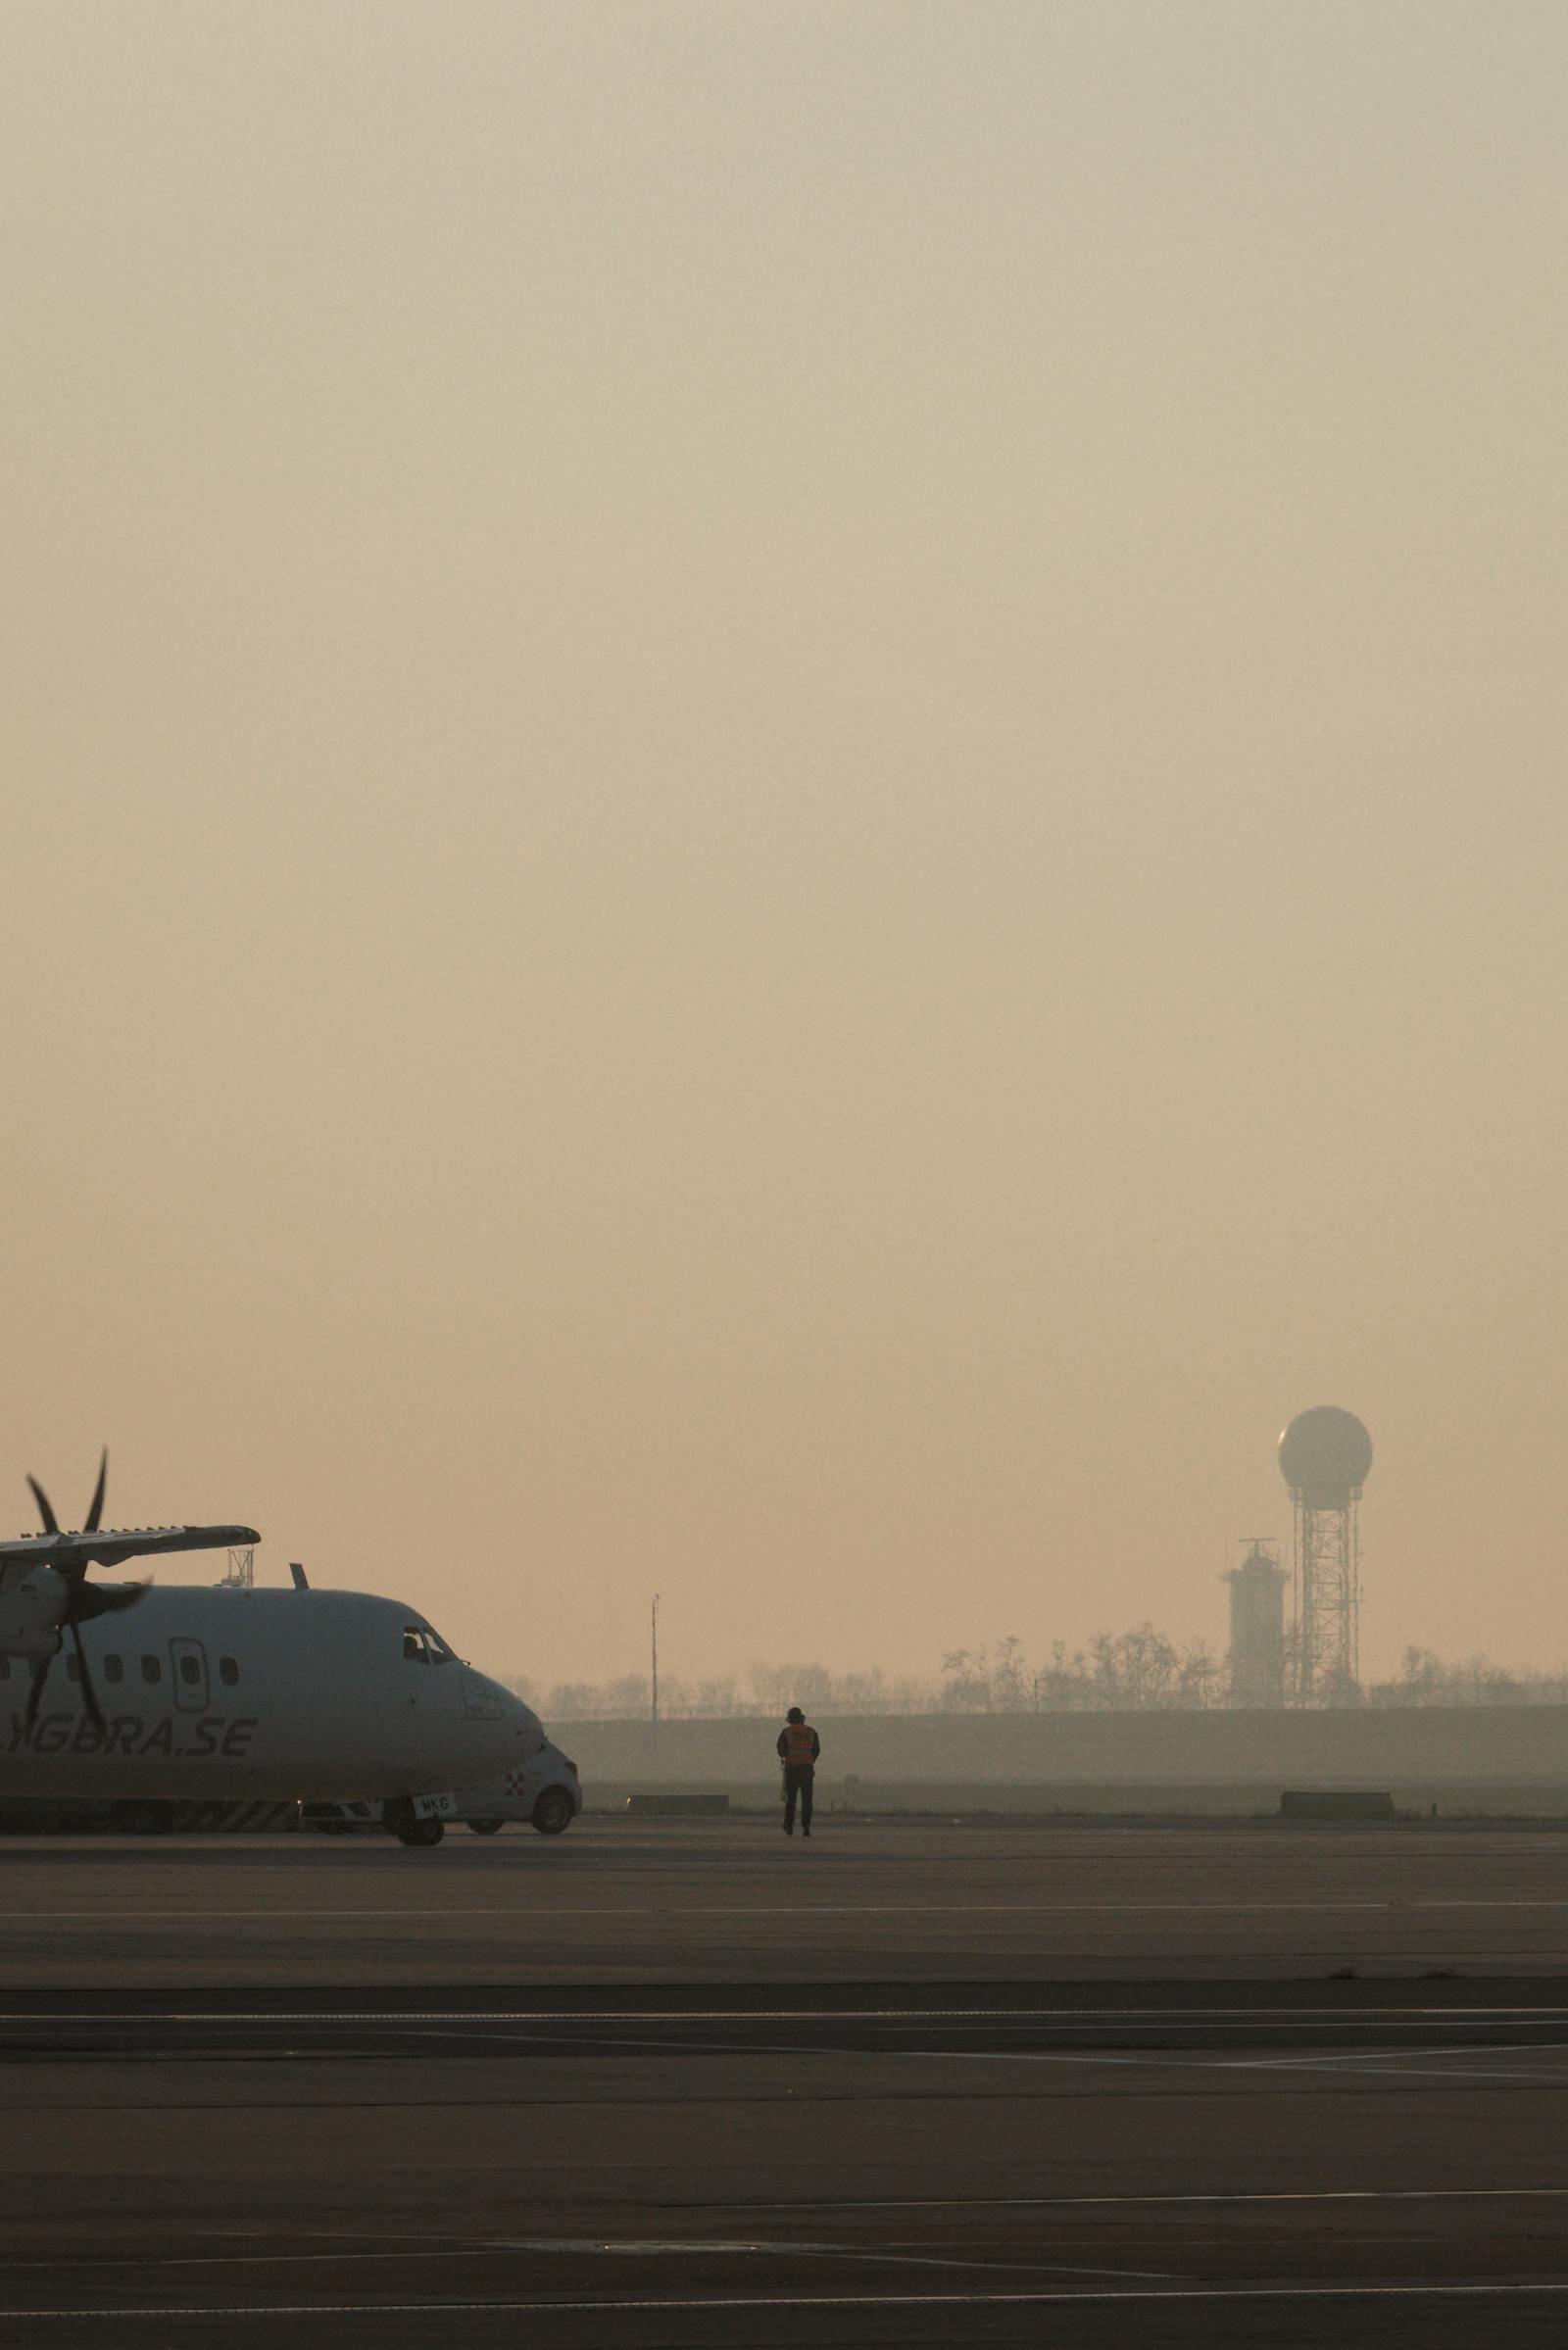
{"x":653,"y":1642}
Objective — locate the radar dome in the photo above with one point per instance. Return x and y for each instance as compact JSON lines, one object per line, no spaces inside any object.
{"x":1325,"y":1456}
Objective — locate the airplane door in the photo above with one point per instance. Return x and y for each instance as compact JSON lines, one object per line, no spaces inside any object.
{"x":188,"y":1663}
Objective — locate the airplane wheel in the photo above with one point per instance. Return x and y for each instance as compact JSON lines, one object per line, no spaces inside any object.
{"x":420,"y":1832}
{"x":486,"y":1827}
{"x":553,"y":1811}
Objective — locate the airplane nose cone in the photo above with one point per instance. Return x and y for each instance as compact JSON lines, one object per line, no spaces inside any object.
{"x":524,"y":1723}
{"x":507,"y":1728}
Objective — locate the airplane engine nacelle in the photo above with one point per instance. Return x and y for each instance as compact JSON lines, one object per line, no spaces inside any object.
{"x":32,"y":1607}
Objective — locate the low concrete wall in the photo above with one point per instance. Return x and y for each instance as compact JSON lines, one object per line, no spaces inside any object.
{"x":1426,"y":1747}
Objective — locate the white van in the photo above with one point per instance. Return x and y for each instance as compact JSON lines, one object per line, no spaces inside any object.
{"x":545,"y":1790}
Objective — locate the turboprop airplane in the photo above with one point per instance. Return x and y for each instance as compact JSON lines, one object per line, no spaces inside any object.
{"x":230,"y":1691}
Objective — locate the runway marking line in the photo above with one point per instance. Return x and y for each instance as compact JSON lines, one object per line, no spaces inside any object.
{"x":1341,"y":2065}
{"x":1211,"y":2060}
{"x":630,"y":2249}
{"x":812,"y":1909}
{"x":697,"y":2303}
{"x":539,"y":2030}
{"x":1205,"y":2060}
{"x":665,"y":2246}
{"x":1371,"y":2195}
{"x":1084,"y":2018}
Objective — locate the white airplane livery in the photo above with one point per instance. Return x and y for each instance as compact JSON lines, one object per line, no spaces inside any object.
{"x":230,"y":1691}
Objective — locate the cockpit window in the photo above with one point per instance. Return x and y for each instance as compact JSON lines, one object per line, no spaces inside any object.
{"x":421,"y":1645}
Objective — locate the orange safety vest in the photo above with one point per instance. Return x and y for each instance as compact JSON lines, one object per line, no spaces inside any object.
{"x":798,"y":1736}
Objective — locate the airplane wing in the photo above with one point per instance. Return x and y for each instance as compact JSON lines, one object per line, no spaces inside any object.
{"x":74,"y":1553}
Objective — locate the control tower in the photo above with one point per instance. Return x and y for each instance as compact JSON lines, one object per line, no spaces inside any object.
{"x":1324,"y":1457}
{"x":1257,"y":1626}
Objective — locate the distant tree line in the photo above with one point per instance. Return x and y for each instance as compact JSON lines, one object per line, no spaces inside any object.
{"x":1140,"y":1668}
{"x":1126,"y":1672}
{"x":765,"y":1689}
{"x":1425,"y":1680}
{"x":1123,"y":1672}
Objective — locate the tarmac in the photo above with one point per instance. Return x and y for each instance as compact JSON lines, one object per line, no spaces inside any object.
{"x":676,"y":2082}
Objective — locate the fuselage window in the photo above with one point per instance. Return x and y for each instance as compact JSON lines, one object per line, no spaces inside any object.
{"x":114,"y":1669}
{"x":228,"y":1671}
{"x":151,"y":1669}
{"x":5,"y":1668}
{"x":189,"y":1669}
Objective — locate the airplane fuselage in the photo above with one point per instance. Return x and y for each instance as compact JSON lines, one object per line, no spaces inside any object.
{"x":231,"y":1691}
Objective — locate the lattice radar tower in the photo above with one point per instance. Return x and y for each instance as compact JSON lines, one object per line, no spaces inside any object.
{"x":1324,"y":1458}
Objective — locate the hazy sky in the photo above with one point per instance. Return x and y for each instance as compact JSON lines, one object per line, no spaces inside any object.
{"x":783,"y":804}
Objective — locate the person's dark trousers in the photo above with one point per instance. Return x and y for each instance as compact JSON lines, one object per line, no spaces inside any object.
{"x":797,"y":1783}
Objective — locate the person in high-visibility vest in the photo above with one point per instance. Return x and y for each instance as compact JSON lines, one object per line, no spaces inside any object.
{"x":798,"y":1749}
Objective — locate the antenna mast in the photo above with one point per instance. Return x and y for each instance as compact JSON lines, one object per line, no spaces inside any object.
{"x":654,"y":1642}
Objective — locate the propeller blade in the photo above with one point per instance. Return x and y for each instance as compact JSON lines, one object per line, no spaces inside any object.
{"x":50,"y":1523}
{"x":89,"y":1524}
{"x":88,"y":1693}
{"x":40,"y":1673}
{"x":109,"y":1598}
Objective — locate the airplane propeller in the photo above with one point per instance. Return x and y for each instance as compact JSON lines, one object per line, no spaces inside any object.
{"x":83,"y":1600}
